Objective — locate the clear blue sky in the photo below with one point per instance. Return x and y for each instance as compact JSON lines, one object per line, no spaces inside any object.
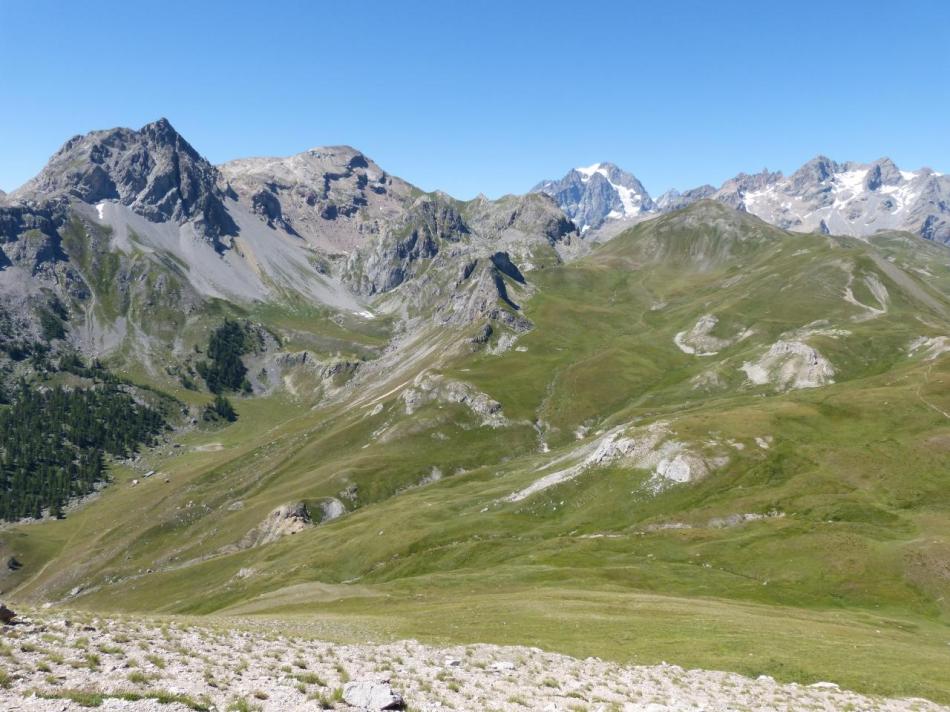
{"x":490,"y":97}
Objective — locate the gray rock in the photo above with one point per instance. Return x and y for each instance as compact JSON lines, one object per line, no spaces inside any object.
{"x":502,"y":666}
{"x":372,"y":695}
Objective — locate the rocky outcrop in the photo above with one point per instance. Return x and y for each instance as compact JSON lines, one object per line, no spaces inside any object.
{"x":431,"y":223}
{"x":521,"y":219}
{"x":790,"y":365}
{"x":675,"y":200}
{"x":286,"y":520}
{"x":331,"y":508}
{"x":430,"y":388}
{"x":652,"y":447}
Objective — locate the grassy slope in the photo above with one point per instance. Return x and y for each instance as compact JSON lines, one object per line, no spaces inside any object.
{"x":851,"y":584}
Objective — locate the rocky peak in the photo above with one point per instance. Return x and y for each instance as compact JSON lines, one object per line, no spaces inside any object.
{"x":882,"y":172}
{"x":594,"y":194}
{"x":332,"y":196}
{"x":817,"y":170}
{"x":675,"y":200}
{"x":531,"y":214}
{"x":153,"y":171}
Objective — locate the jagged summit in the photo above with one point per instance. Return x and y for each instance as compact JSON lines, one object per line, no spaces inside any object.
{"x":132,"y":218}
{"x":853,"y":199}
{"x":824,"y":195}
{"x":594,"y":194}
{"x":154,"y":171}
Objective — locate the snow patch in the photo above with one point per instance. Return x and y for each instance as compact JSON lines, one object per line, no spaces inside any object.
{"x":588,"y":171}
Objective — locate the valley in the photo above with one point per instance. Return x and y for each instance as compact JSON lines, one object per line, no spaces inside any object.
{"x":707,"y":441}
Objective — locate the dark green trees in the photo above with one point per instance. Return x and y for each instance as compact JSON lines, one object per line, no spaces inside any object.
{"x":52,"y":444}
{"x":223,"y":370}
{"x":220,"y":409}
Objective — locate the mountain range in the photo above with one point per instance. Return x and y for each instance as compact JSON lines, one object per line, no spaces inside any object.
{"x":710,"y":428}
{"x":825,"y":196}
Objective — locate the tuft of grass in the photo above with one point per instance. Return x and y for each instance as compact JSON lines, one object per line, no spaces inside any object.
{"x":310,"y":678}
{"x":157,"y":660}
{"x":138,"y":677}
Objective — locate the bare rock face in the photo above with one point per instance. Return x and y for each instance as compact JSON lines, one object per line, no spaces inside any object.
{"x":372,"y":695}
{"x":153,"y":171}
{"x":284,"y":521}
{"x":431,"y":222}
{"x":518,"y":218}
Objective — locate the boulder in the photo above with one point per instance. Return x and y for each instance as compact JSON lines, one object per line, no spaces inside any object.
{"x":372,"y":695}
{"x":6,"y":615}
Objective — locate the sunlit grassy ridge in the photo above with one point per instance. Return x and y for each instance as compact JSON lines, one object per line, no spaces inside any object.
{"x":840,"y":574}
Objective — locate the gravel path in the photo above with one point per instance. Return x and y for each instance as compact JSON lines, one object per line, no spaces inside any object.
{"x":57,"y":663}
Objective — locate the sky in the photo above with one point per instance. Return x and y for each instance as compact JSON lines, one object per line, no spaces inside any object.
{"x":488,"y":97}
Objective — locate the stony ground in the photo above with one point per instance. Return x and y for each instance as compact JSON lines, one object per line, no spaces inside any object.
{"x":57,"y":661}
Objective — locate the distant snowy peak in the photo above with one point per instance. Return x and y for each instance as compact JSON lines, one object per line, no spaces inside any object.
{"x":593,"y":195}
{"x":823,"y":195}
{"x":850,"y":199}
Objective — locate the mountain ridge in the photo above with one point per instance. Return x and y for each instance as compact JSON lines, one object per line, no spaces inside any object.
{"x":842,"y":198}
{"x":391,"y":407}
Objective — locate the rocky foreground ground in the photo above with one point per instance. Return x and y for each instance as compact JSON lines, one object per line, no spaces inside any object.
{"x":57,"y":661}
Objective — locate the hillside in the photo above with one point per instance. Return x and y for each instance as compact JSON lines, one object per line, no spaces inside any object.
{"x":708,"y":441}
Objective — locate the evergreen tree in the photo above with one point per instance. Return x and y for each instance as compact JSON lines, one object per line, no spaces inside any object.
{"x":224,"y":370}
{"x":52,"y":444}
{"x":220,"y":408}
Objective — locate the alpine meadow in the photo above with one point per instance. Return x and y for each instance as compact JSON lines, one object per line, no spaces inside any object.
{"x":293,"y":433}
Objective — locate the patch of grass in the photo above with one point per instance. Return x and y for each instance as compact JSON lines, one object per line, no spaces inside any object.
{"x":90,"y":698}
{"x":92,"y":661}
{"x":157,"y":660}
{"x":324,"y":700}
{"x":310,"y":678}
{"x":138,"y":677}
